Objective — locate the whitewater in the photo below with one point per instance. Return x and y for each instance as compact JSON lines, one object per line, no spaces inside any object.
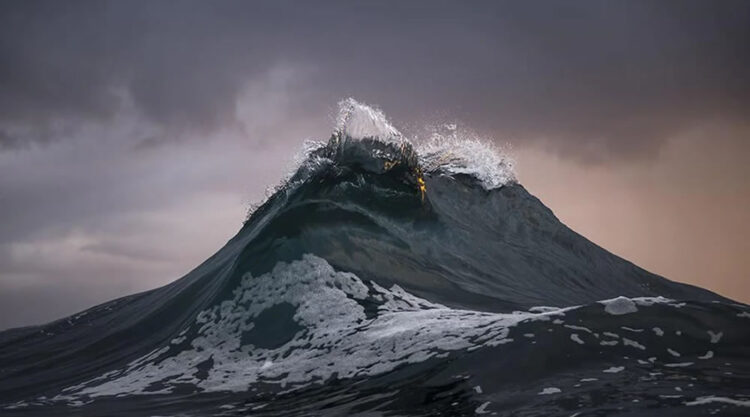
{"x":387,"y":276}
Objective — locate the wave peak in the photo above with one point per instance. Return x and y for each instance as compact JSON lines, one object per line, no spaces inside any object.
{"x":363,"y":136}
{"x":359,"y":121}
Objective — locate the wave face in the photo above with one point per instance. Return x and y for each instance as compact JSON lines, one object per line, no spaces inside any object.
{"x":387,"y":278}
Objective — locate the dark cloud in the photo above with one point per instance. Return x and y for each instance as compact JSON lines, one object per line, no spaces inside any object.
{"x":591,"y":79}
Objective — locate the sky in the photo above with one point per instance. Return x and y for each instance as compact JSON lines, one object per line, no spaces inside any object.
{"x":134,"y":135}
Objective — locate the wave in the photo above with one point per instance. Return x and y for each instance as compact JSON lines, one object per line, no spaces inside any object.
{"x":391,"y":278}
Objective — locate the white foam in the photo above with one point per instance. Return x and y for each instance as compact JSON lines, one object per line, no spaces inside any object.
{"x":482,"y":409}
{"x":581,"y":328}
{"x":649,"y":301}
{"x":708,"y":355}
{"x":480,"y":159}
{"x":630,"y":329}
{"x":550,"y":390}
{"x":359,"y":121}
{"x":338,"y":340}
{"x":632,"y":343}
{"x":447,"y":154}
{"x":619,"y":306}
{"x":543,"y":309}
{"x":614,"y":369}
{"x":624,"y":305}
{"x":178,"y":340}
{"x":723,"y":400}
{"x":678,"y":364}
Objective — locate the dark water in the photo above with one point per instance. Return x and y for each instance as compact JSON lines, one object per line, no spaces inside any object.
{"x":350,"y":292}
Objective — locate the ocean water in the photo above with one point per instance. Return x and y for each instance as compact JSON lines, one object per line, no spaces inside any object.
{"x":396,"y":279}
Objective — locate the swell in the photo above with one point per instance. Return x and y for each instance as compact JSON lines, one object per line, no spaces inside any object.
{"x":391,"y":240}
{"x":464,"y":246}
{"x":460,"y":245}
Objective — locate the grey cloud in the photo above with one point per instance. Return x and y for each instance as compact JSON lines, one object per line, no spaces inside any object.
{"x":593,"y":80}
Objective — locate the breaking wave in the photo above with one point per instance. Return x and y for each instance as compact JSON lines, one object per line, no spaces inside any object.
{"x":386,"y":277}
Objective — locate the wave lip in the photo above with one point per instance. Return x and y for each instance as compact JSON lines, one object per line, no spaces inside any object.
{"x":454,"y":155}
{"x":364,"y":138}
{"x":360,"y":121}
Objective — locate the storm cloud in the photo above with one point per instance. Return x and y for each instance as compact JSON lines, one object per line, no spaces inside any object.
{"x":584,"y":77}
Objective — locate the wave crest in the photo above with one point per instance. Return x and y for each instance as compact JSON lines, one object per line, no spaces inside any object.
{"x":364,"y":137}
{"x":359,"y":121}
{"x":457,"y":153}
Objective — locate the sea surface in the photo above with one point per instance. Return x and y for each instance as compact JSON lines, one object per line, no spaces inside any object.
{"x":388,"y":278}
